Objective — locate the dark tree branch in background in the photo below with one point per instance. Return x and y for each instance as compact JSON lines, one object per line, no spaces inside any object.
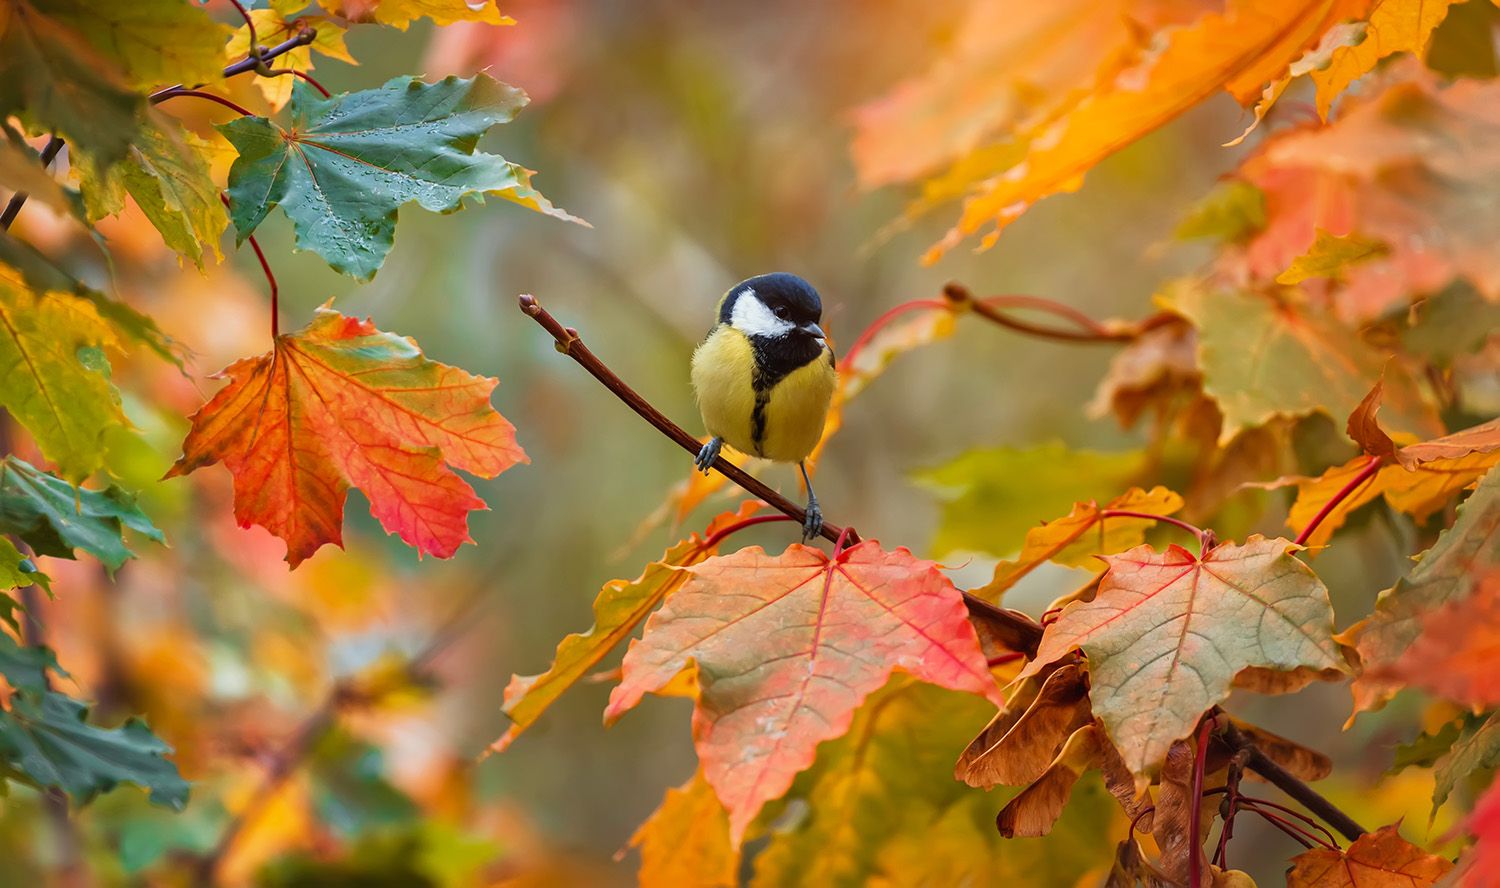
{"x":1288,"y":783}
{"x":49,"y":153}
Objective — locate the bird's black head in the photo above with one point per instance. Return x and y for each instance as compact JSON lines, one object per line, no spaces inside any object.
{"x":773,"y":305}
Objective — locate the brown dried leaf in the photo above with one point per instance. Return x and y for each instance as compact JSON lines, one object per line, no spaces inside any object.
{"x":1014,"y":751}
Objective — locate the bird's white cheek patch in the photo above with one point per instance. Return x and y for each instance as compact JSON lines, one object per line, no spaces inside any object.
{"x":753,"y":318}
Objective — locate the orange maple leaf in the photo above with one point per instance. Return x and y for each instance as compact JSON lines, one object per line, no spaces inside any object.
{"x":1381,"y":859}
{"x":1250,"y":43}
{"x":787,"y":646}
{"x":1417,"y":479}
{"x":339,"y":404}
{"x":1380,"y":172}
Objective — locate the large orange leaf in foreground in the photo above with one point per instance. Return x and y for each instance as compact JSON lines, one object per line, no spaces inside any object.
{"x":339,"y":404}
{"x":1167,"y":633}
{"x":787,"y":646}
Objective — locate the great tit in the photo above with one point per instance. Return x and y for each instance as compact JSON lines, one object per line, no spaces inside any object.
{"x":764,"y":377}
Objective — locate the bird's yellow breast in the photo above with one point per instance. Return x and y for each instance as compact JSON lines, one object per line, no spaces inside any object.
{"x":782,"y":422}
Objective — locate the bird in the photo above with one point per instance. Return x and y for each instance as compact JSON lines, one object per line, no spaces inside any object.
{"x":765,"y":375}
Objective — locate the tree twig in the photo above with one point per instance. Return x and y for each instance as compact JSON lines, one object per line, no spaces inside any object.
{"x":49,"y":153}
{"x":1288,"y":783}
{"x":1087,"y":329}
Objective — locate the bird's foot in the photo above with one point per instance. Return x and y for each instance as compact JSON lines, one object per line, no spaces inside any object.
{"x":709,"y":453}
{"x":812,"y":525}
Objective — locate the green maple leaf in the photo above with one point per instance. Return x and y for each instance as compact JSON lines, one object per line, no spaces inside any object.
{"x":1328,"y":256}
{"x":882,"y":793}
{"x":1262,"y":358}
{"x":16,"y":570}
{"x":349,"y":162}
{"x":25,"y":668}
{"x":54,"y":518}
{"x":45,"y":741}
{"x":166,"y":174}
{"x":55,"y":80}
{"x":1477,"y":747}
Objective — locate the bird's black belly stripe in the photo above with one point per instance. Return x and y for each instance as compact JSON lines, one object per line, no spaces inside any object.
{"x":758,"y":420}
{"x":776,"y":358}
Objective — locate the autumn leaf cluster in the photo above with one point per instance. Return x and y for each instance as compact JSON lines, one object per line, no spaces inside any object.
{"x":1331,"y":358}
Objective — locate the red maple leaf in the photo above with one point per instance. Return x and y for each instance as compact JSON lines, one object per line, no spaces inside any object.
{"x":339,"y":404}
{"x":787,"y":646}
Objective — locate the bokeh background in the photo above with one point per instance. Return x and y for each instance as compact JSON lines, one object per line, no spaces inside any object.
{"x":706,"y":143}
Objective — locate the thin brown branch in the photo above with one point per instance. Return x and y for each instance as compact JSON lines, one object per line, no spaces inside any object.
{"x":1084,"y":329}
{"x":49,"y":153}
{"x":1288,"y":783}
{"x":570,"y":344}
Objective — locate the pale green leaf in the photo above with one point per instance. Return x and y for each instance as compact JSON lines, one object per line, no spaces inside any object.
{"x":993,"y":497}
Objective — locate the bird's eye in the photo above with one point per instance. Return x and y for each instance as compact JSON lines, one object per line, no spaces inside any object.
{"x":781,"y":311}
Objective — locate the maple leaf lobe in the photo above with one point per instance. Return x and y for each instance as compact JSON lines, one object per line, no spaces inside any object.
{"x":340,"y":404}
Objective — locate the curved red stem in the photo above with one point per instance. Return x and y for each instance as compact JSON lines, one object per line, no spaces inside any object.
{"x":1365,"y":474}
{"x":277,"y":72}
{"x":177,"y":91}
{"x":880,"y":322}
{"x":723,"y":532}
{"x":270,"y":278}
{"x":1332,"y":842}
{"x":1009,"y":657}
{"x":1201,"y":534}
{"x":1195,"y":822}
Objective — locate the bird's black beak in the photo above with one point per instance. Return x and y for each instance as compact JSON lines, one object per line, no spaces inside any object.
{"x":814,"y":331}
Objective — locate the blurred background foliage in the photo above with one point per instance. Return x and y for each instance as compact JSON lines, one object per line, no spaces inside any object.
{"x":705,"y":143}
